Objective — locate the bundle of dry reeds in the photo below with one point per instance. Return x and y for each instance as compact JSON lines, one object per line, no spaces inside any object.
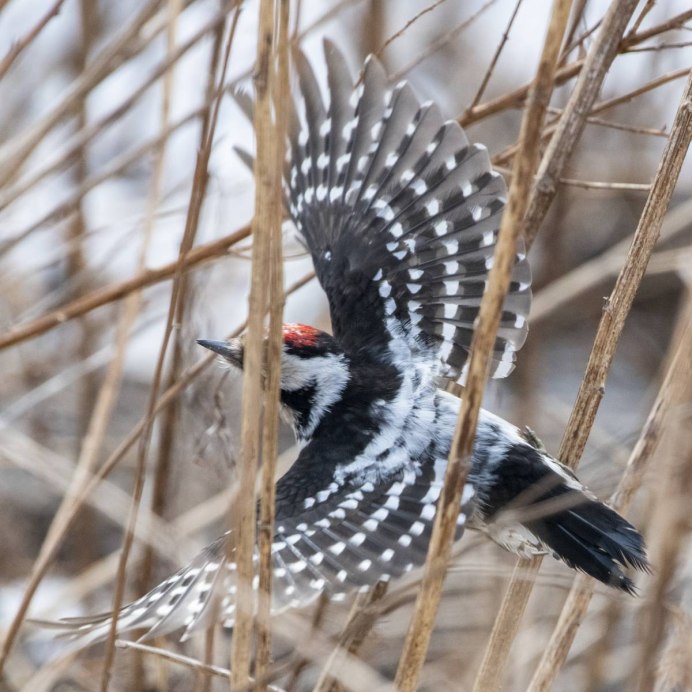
{"x":125,"y":226}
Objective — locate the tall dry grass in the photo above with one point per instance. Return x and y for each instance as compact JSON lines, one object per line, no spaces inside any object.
{"x":122,"y":240}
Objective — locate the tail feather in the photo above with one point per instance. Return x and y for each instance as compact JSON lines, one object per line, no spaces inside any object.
{"x":532,"y":504}
{"x":594,"y":539}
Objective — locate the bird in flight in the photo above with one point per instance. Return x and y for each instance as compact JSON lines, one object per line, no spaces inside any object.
{"x":400,"y":214}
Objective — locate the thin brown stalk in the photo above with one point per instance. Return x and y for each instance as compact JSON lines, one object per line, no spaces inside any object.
{"x":569,"y":127}
{"x":17,"y":150}
{"x":167,"y":434}
{"x":673,"y":23}
{"x":192,"y":663}
{"x":407,"y":26}
{"x":109,"y":294}
{"x":192,"y":221}
{"x":116,"y":166}
{"x":574,"y":609}
{"x":591,"y":120}
{"x":352,"y":673}
{"x":440,"y":42}
{"x":669,"y":527}
{"x":593,"y":384}
{"x":241,"y":548}
{"x":659,"y":47}
{"x":506,"y":155}
{"x":570,"y":286}
{"x":359,"y":624}
{"x":97,"y":126}
{"x":571,"y":39}
{"x":603,"y":185}
{"x":618,"y":305}
{"x":318,"y":615}
{"x":420,"y":629}
{"x":167,"y":425}
{"x":496,"y":56}
{"x":645,"y":88}
{"x":516,"y":97}
{"x":279,"y":81}
{"x":18,"y":46}
{"x":641,"y":16}
{"x":93,"y":484}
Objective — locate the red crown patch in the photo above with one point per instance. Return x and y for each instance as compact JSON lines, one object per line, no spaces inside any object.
{"x":300,"y":335}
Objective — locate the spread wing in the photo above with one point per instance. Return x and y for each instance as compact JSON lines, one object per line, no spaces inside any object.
{"x":401,"y":214}
{"x":331,"y":536}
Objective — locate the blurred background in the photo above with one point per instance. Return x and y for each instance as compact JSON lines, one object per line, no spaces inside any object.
{"x":101,"y":118}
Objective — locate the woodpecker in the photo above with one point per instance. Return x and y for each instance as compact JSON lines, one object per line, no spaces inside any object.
{"x":400,"y":214}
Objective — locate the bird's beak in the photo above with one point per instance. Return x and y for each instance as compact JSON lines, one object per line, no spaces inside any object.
{"x":232,"y":350}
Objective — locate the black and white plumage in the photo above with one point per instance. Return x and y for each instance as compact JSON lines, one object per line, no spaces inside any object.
{"x":400,"y":214}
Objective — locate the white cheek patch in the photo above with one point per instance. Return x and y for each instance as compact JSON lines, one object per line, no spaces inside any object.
{"x":327,"y":374}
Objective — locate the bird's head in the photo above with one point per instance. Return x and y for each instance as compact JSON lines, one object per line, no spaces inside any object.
{"x":314,"y":372}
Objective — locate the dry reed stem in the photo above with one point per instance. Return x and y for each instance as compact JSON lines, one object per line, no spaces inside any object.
{"x":617,"y":307}
{"x":425,"y":610}
{"x":496,"y":56}
{"x":577,"y":602}
{"x":568,"y":287}
{"x":653,"y":131}
{"x":440,"y":42}
{"x":648,"y":86}
{"x":151,"y":530}
{"x":641,"y":16}
{"x":516,"y":97}
{"x":360,"y":621}
{"x":96,"y":127}
{"x":15,"y":152}
{"x":577,"y":18}
{"x":192,"y":663}
{"x":196,"y":200}
{"x":581,"y":100}
{"x":569,"y":127}
{"x":167,"y":434}
{"x":352,"y":673}
{"x":409,"y":23}
{"x":506,"y":155}
{"x":279,"y":81}
{"x":674,"y":22}
{"x":669,"y":525}
{"x":56,"y":471}
{"x":18,"y":46}
{"x":117,"y":291}
{"x":265,"y":232}
{"x":593,"y":384}
{"x":318,"y":614}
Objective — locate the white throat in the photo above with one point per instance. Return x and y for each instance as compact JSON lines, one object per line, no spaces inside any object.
{"x":327,"y":375}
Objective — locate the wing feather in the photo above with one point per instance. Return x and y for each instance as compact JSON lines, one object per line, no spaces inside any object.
{"x":401,"y":216}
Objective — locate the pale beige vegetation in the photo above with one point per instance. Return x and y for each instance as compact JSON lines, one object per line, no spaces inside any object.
{"x":122,"y":240}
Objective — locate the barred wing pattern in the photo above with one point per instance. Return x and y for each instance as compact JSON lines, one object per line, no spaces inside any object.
{"x":401,"y":216}
{"x":343,"y":538}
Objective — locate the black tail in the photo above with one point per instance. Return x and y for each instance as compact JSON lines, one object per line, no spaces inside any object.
{"x":545,"y":498}
{"x":593,"y":538}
